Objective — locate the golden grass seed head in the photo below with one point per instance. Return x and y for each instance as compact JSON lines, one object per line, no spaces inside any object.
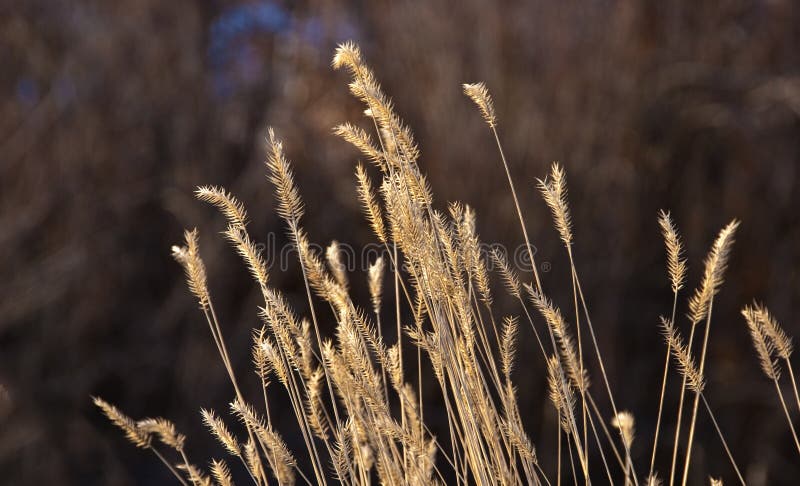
{"x":136,"y":435}
{"x":554,"y":192}
{"x":676,"y":263}
{"x":231,"y":208}
{"x":221,"y":473}
{"x":774,"y":332}
{"x":624,"y":422}
{"x":219,"y":430}
{"x":333,"y":255}
{"x":763,"y":346}
{"x":188,"y":257}
{"x":716,"y":263}
{"x":478,"y":93}
{"x":165,"y":430}
{"x":682,"y":354}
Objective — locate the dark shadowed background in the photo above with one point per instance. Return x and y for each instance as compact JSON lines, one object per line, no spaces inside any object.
{"x":112,"y":112}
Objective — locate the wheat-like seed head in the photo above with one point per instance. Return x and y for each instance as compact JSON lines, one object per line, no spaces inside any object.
{"x":251,"y":254}
{"x":521,"y":442}
{"x":370,"y":204}
{"x":560,"y":395}
{"x":276,"y":362}
{"x":334,"y":257}
{"x":342,"y":451}
{"x":252,"y":459}
{"x":285,"y":335}
{"x":194,"y":475}
{"x":470,"y":248}
{"x":508,"y":345}
{"x":318,"y":277}
{"x":189,"y":258}
{"x":347,"y":55}
{"x":577,"y":375}
{"x":715,"y":265}
{"x":219,"y":430}
{"x":509,"y":275}
{"x":682,"y":354}
{"x":363,"y":142}
{"x":764,"y":347}
{"x":165,"y":430}
{"x":774,"y":332}
{"x":624,"y":422}
{"x":231,"y":208}
{"x":676,"y":264}
{"x":135,"y":434}
{"x":375,"y":281}
{"x":554,"y":192}
{"x":260,"y":361}
{"x":221,"y":473}
{"x":280,"y":459}
{"x":714,"y":482}
{"x":290,"y":204}
{"x":315,"y":411}
{"x":478,"y":93}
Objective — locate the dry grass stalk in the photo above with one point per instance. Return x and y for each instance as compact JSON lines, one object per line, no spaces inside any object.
{"x":767,"y":335}
{"x":700,"y":306}
{"x":676,"y":268}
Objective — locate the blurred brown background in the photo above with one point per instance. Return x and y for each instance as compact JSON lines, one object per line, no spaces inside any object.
{"x":112,"y":112}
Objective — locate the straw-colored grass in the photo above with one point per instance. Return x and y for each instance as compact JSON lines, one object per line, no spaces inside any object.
{"x":359,"y":418}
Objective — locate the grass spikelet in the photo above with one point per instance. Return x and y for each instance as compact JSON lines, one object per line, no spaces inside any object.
{"x":334,"y":257}
{"x":134,"y":433}
{"x":375,"y":282}
{"x":281,"y":460}
{"x":764,"y":348}
{"x":347,"y":55}
{"x":370,"y":204}
{"x":219,"y":430}
{"x":252,"y":460}
{"x":682,"y":355}
{"x":231,"y":208}
{"x":624,"y":422}
{"x":554,"y":192}
{"x":290,"y":204}
{"x":478,"y":93}
{"x":316,"y":414}
{"x":510,"y":277}
{"x":189,"y":258}
{"x":577,"y":375}
{"x":165,"y":430}
{"x":221,"y":473}
{"x":363,"y":142}
{"x":676,"y":264}
{"x":261,"y":362}
{"x":561,"y":396}
{"x":714,"y":482}
{"x":508,"y":344}
{"x":250,"y":253}
{"x":342,"y":452}
{"x":773,"y":331}
{"x":715,"y":265}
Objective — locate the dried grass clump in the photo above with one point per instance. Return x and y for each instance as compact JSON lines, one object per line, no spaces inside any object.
{"x":359,"y":419}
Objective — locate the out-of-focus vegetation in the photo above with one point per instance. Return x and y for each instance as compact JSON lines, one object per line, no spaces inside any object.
{"x":111,"y":114}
